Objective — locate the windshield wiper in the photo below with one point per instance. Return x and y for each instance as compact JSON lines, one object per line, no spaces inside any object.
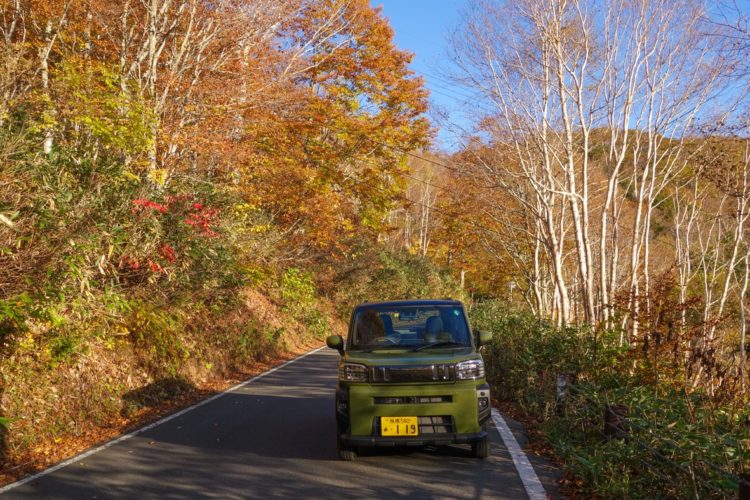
{"x":438,"y":344}
{"x":370,"y":348}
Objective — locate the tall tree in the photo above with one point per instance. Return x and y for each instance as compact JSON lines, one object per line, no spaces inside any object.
{"x":568,"y":76}
{"x":358,"y":109}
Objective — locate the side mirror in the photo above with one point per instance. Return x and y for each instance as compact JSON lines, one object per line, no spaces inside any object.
{"x":483,"y":337}
{"x":336,"y":342}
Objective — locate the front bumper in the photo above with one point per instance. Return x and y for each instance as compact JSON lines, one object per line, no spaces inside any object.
{"x":437,"y":440}
{"x":449,"y":413}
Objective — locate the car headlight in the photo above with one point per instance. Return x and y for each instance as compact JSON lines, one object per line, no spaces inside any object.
{"x":352,"y":372}
{"x":470,"y":370}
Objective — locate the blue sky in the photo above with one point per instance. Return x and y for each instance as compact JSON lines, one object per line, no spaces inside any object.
{"x":423,"y":27}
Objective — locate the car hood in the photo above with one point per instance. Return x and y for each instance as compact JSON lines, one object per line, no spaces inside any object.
{"x":406,"y":357}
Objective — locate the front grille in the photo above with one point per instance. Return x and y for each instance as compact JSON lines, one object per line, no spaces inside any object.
{"x":412,"y":400}
{"x":436,"y":425}
{"x":440,"y":424}
{"x":410,"y":374}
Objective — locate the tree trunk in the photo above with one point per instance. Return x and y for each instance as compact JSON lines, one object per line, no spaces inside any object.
{"x":153,"y":15}
{"x":44,"y":53}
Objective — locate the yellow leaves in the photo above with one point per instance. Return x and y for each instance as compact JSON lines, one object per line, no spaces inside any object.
{"x":158,"y":176}
{"x":120,"y":329}
{"x":261,"y":228}
{"x":348,"y":225}
{"x":27,"y":343}
{"x":130,"y":176}
{"x":246,"y":207}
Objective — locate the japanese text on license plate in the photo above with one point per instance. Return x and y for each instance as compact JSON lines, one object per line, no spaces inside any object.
{"x":399,"y":426}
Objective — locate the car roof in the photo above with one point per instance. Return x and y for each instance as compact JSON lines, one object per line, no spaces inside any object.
{"x":403,"y":303}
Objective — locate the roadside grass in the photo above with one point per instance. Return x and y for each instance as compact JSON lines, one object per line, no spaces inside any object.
{"x":64,"y":391}
{"x":676,"y":443}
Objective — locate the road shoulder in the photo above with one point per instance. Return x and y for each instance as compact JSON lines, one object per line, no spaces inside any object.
{"x":547,"y":473}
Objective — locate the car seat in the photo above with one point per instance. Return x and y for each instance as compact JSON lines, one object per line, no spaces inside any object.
{"x":387,"y":324}
{"x":434,"y":330}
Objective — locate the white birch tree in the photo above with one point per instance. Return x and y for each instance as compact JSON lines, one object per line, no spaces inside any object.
{"x":595,"y":104}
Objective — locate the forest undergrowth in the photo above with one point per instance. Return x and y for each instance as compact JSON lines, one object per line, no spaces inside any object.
{"x":621,"y":426}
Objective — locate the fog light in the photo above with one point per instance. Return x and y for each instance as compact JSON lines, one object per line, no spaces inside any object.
{"x":483,"y":403}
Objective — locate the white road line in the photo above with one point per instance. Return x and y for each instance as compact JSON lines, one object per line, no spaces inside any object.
{"x":530,"y":480}
{"x":166,"y":419}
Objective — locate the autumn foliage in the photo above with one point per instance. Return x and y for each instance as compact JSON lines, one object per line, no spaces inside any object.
{"x":158,"y":158}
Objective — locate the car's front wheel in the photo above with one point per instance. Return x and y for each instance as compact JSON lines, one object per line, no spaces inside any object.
{"x":346,"y":452}
{"x":481,"y":448}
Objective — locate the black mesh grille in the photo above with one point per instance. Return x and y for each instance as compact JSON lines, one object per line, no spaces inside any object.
{"x":411,"y":400}
{"x":406,"y":374}
{"x":436,"y":425}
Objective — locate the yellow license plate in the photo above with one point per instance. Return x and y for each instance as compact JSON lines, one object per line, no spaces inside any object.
{"x":399,"y":426}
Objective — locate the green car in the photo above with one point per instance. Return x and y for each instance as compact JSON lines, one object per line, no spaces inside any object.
{"x":410,"y":374}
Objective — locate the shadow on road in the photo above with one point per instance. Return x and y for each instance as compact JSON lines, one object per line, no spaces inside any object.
{"x":248,"y":445}
{"x":273,"y":438}
{"x":154,"y":394}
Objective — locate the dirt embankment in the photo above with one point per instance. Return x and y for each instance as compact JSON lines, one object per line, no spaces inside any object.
{"x":133,"y":374}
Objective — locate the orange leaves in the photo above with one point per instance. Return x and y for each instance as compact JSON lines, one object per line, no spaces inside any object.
{"x":300,"y":108}
{"x":324,"y":164}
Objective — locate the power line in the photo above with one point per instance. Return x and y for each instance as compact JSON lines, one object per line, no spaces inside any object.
{"x":451,"y":92}
{"x":428,"y":160}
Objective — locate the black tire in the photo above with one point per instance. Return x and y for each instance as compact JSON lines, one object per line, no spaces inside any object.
{"x":481,"y":449}
{"x":346,"y":452}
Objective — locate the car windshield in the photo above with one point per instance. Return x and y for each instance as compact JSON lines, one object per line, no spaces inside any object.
{"x":415,"y":327}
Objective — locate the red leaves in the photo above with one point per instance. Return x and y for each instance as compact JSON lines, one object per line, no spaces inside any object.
{"x":199,"y":216}
{"x":154,"y":266}
{"x":132,"y":264}
{"x":201,"y":219}
{"x":139,"y":205}
{"x":168,"y":213}
{"x":128,"y":262}
{"x":167,"y":252}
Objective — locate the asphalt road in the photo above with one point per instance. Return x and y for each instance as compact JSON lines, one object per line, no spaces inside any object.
{"x":274,"y":437}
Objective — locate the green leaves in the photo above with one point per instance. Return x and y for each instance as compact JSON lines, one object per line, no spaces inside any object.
{"x":97,"y":100}
{"x":297,"y":288}
{"x":679,"y":444}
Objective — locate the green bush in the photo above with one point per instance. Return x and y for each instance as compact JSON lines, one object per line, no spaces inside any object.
{"x":297,"y":290}
{"x":679,"y":444}
{"x":299,"y":294}
{"x":13,"y":314}
{"x":156,"y":333}
{"x":64,"y":348}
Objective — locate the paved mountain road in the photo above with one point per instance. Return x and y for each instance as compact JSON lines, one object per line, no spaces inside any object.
{"x":273,"y":437}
